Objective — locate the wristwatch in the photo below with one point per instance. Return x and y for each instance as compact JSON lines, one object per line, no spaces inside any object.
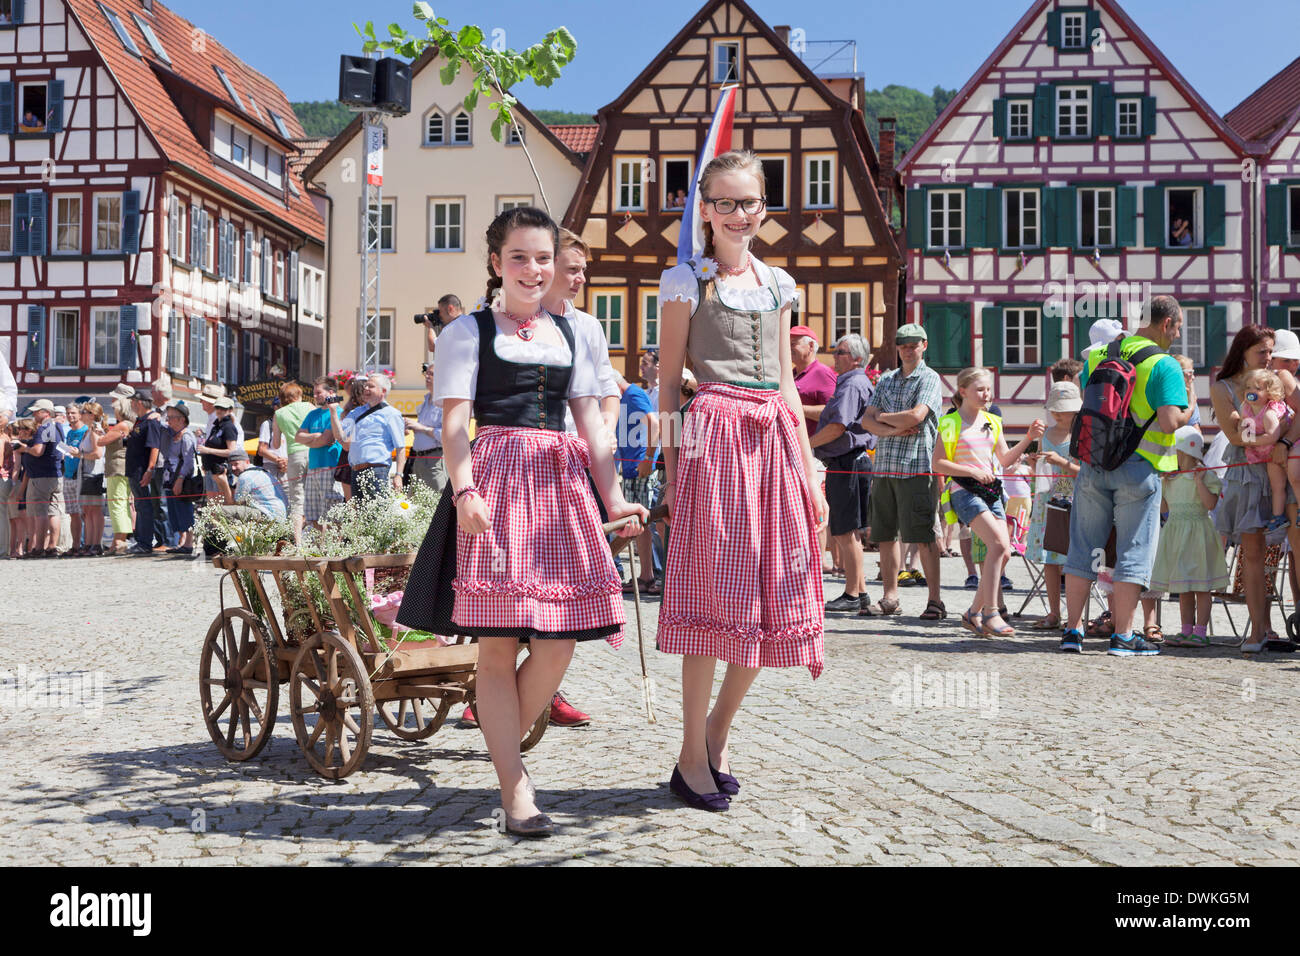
{"x":1288,"y":444}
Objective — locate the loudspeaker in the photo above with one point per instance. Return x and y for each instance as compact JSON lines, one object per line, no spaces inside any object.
{"x":357,"y":81}
{"x":393,"y":86}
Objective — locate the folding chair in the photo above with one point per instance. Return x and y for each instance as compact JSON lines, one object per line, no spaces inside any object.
{"x":1273,"y":559}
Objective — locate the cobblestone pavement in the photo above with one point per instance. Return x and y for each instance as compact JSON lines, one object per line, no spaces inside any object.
{"x":1046,"y":758}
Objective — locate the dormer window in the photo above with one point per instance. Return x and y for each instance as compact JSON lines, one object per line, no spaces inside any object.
{"x":120,"y":29}
{"x":151,"y":38}
{"x":230,"y":87}
{"x":279,"y":125}
{"x":726,"y":62}
{"x":1072,"y":31}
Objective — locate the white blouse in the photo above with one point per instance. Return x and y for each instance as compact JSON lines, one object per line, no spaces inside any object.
{"x":679,"y":284}
{"x":455,"y":363}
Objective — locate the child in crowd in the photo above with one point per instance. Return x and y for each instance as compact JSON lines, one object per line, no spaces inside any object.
{"x":1189,"y":558}
{"x":971,"y":450}
{"x":1063,"y":403}
{"x":1264,"y":419}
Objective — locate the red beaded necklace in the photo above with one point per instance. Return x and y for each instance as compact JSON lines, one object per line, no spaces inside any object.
{"x":727,"y":271}
{"x":525,"y":325}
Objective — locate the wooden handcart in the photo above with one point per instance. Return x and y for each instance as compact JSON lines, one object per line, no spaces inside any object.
{"x":336,"y":667}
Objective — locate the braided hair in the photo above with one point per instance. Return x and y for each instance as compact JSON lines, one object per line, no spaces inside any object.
{"x":521,"y":217}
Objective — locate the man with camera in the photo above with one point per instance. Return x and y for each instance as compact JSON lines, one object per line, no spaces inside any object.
{"x":449,"y":309}
{"x":323,"y":451}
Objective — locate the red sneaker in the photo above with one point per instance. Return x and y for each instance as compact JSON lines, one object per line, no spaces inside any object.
{"x":565,"y":714}
{"x":468,"y":719}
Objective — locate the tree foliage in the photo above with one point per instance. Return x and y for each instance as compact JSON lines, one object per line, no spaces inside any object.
{"x":324,"y":118}
{"x":913,"y":110}
{"x":564,"y":118}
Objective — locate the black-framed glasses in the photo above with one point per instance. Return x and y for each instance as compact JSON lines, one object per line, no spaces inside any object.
{"x":726,"y":207}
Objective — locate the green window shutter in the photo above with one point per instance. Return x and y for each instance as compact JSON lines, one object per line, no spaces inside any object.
{"x":1153,"y":216}
{"x":1215,"y":221}
{"x":992,"y":332}
{"x":1277,"y":318}
{"x":1081,"y":324}
{"x":126,"y":351}
{"x":1067,"y":233}
{"x":947,"y":328}
{"x":916,"y":219}
{"x":1049,"y":219}
{"x":976,"y":221}
{"x":1043,"y":118}
{"x":1275,"y":215}
{"x":1126,"y":216}
{"x":1216,"y":335}
{"x":36,"y":338}
{"x":1051,"y":332}
{"x":1092,"y":25}
{"x":1054,"y":29}
{"x":1103,"y":116}
{"x":54,"y":106}
{"x":993,"y":217}
{"x":1148,"y":116}
{"x":1000,"y":119}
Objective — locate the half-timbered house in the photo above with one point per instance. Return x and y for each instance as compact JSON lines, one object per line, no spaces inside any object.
{"x":149,"y":220}
{"x":825,"y":224}
{"x":1269,"y":121}
{"x":1075,"y":174}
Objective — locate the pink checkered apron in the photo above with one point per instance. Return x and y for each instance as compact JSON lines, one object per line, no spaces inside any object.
{"x":743,"y":581}
{"x":544,"y":564}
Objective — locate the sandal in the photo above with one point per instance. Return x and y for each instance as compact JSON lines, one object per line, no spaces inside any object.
{"x":1153,"y":634}
{"x":1006,"y":630}
{"x":1049,"y":623}
{"x":973,"y":621}
{"x":934,"y":611}
{"x":1101,"y":626}
{"x":882,"y":608}
{"x":652,"y":588}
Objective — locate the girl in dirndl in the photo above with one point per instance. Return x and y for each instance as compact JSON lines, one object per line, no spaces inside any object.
{"x":526,"y":558}
{"x":743,"y":578}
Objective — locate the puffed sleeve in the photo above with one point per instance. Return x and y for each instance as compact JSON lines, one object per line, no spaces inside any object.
{"x":785,"y":287}
{"x":455,"y":361}
{"x":678,"y":284}
{"x":585,"y":378}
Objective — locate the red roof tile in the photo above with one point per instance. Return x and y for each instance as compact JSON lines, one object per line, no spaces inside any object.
{"x":193,"y":55}
{"x":581,"y":138}
{"x":309,"y":149}
{"x":1261,"y":114}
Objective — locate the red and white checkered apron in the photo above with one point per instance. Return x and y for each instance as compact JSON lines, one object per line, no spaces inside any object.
{"x":743,"y":581}
{"x":544,"y":563}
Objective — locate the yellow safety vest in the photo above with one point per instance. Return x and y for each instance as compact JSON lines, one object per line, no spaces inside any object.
{"x":1156,"y":447}
{"x":950,"y":427}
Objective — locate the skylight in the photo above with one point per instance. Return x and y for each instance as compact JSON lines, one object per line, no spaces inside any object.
{"x":230,"y":87}
{"x":279,"y":124}
{"x":253,"y":103}
{"x":151,"y":38}
{"x":120,"y":29}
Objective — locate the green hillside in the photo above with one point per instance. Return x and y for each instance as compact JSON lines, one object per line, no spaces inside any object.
{"x":323,"y":118}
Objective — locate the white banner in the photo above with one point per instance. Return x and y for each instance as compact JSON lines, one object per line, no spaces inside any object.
{"x":375,"y":155}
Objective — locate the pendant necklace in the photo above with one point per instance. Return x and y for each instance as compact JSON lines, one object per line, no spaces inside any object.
{"x":526,"y":326}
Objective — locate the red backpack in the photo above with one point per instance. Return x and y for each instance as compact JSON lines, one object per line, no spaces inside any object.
{"x":1104,"y":433}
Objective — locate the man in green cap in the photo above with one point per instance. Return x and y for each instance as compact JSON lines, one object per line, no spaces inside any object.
{"x":904,"y":415}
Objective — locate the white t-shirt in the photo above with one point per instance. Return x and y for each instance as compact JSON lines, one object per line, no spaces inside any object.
{"x":455,"y":363}
{"x":588,"y":327}
{"x":264,"y":435}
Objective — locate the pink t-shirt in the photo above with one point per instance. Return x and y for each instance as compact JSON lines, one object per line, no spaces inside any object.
{"x":974,"y":447}
{"x":1260,"y":453}
{"x":816,"y":385}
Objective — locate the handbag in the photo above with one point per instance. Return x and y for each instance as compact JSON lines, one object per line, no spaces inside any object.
{"x":192,"y":487}
{"x":1056,"y":529}
{"x":990,"y":493}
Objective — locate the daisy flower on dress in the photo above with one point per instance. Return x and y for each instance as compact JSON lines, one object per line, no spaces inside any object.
{"x":705,"y":268}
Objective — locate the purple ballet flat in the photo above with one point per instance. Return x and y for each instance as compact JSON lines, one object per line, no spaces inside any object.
{"x":714,"y":802}
{"x":726,"y":782}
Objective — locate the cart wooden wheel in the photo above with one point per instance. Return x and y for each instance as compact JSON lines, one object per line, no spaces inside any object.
{"x":332,"y":705}
{"x":536,"y":730}
{"x":239,"y":684}
{"x":415,"y":718}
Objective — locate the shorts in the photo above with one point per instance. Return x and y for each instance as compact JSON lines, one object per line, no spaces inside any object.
{"x":848,"y":492}
{"x":1127,"y":498}
{"x":970,"y":506}
{"x":295,"y":488}
{"x":903,"y":509}
{"x":320,"y":495}
{"x":72,"y":495}
{"x":639,"y":491}
{"x":44,"y":497}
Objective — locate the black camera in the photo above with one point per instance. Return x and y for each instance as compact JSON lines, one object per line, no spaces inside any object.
{"x":435,"y":317}
{"x":333,"y":399}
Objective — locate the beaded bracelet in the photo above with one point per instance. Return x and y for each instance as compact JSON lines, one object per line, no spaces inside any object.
{"x":467,"y":490}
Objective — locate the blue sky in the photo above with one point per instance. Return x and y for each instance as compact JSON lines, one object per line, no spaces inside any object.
{"x":1225,"y":55}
